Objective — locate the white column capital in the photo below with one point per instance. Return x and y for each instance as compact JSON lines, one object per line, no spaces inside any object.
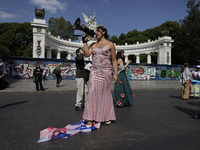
{"x":48,"y":52}
{"x":148,"y":58}
{"x":137,"y":54}
{"x":126,"y":57}
{"x":58,"y":54}
{"x":69,"y":57}
{"x":137,"y":58}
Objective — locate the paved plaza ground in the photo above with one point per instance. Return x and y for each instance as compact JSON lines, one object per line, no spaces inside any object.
{"x":157,"y":120}
{"x":27,"y":85}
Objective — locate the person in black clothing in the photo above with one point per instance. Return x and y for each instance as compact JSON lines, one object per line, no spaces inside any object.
{"x":58,"y":74}
{"x":38,"y":77}
{"x":2,"y":75}
{"x":81,"y":83}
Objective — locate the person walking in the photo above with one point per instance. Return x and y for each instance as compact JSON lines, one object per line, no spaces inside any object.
{"x":99,"y":103}
{"x":122,"y":91}
{"x":58,"y":74}
{"x":44,"y":74}
{"x":81,"y":83}
{"x":38,"y":78}
{"x":185,"y":77}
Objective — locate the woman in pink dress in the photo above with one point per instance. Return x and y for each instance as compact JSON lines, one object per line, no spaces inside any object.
{"x":99,"y":102}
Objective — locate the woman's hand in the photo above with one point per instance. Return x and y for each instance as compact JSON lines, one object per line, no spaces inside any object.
{"x":128,"y":62}
{"x":85,"y":38}
{"x":115,"y":79}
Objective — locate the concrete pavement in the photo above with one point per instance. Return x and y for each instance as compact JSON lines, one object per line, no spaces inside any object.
{"x":27,"y":85}
{"x":157,"y":120}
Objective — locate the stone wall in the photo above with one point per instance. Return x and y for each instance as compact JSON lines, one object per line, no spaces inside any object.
{"x":21,"y":67}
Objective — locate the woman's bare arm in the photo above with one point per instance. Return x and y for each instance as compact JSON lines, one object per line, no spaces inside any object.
{"x":114,"y":61}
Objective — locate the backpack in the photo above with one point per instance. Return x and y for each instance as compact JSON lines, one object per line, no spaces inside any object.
{"x":55,"y":72}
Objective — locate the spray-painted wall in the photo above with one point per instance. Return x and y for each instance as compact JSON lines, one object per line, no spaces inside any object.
{"x":153,"y":72}
{"x":20,"y":67}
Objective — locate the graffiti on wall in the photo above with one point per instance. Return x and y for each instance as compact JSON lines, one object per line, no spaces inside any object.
{"x":142,"y":72}
{"x":153,"y":72}
{"x":25,"y":68}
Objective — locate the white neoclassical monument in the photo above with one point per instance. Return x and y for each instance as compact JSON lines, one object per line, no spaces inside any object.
{"x":43,"y":40}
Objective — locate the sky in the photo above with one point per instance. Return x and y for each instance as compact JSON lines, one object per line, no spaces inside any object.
{"x":118,"y":16}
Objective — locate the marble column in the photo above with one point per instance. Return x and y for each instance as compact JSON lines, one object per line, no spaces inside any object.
{"x":148,"y":58}
{"x":69,"y":57}
{"x":48,"y":52}
{"x":39,"y":31}
{"x":137,"y":58}
{"x":58,"y":54}
{"x":126,"y":58}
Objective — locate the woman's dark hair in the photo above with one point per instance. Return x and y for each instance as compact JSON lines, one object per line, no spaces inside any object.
{"x":103,"y":29}
{"x":119,"y":55}
{"x":92,"y":44}
{"x":184,"y":66}
{"x":78,"y":50}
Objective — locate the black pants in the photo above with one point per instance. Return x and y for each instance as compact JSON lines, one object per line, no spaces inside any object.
{"x":59,"y":78}
{"x":2,"y":84}
{"x":38,"y":80}
{"x":44,"y":78}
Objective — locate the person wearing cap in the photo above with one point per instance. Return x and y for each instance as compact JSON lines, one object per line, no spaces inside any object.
{"x":58,"y":75}
{"x":197,"y":73}
{"x":185,"y":78}
{"x":81,"y":83}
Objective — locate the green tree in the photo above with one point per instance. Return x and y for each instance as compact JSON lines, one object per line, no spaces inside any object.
{"x":190,"y":33}
{"x":16,"y":39}
{"x":62,"y":28}
{"x":115,"y":39}
{"x":134,"y":36}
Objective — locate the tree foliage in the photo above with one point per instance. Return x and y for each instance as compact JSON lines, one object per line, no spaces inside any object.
{"x":58,"y":26}
{"x":16,"y":39}
{"x":62,"y":28}
{"x":134,"y":36}
{"x":190,"y":34}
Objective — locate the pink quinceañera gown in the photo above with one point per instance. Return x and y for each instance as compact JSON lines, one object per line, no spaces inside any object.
{"x":99,"y":102}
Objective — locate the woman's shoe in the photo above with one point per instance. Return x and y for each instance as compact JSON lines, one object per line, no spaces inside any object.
{"x":88,"y":126}
{"x":108,"y":122}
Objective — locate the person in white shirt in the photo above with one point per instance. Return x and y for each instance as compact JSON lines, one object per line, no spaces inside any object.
{"x":185,"y":77}
{"x":44,"y":74}
{"x":197,"y":73}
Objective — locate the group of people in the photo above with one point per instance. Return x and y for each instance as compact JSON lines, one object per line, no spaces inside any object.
{"x":39,"y":74}
{"x":97,"y":101}
{"x":185,"y":77}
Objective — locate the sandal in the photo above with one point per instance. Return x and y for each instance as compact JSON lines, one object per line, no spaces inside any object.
{"x":108,"y":122}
